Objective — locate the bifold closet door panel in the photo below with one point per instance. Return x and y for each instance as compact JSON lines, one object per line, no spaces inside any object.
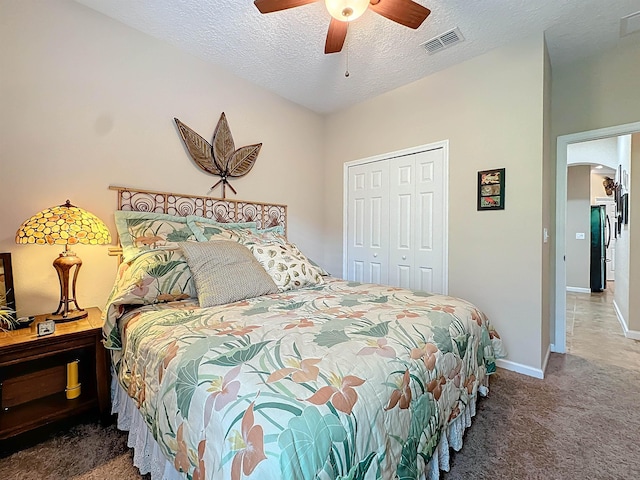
{"x":416,"y":201}
{"x":367,"y":223}
{"x":429,"y":261}
{"x":402,"y":208}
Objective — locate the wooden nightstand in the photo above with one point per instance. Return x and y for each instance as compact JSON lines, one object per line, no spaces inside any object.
{"x":33,"y":374}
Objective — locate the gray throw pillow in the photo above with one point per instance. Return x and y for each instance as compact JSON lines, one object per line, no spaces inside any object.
{"x":225,"y":272}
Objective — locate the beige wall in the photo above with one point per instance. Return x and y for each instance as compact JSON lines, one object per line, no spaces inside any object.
{"x":88,"y":102}
{"x":578,"y":221}
{"x":490,"y":109}
{"x":99,"y":111}
{"x":601,"y":91}
{"x":603,"y":151}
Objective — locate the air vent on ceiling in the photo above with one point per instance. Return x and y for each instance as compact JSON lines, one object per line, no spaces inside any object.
{"x":630,"y":24}
{"x":443,"y":41}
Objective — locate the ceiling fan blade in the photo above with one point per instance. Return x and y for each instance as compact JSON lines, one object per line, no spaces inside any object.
{"x":268,"y":6}
{"x":335,"y":36}
{"x":404,"y":12}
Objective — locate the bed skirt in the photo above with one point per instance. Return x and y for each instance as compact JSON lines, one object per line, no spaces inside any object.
{"x":148,"y":457}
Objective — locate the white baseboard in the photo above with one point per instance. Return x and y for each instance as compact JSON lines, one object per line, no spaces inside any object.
{"x":578,"y":290}
{"x":633,"y":334}
{"x":621,"y":319}
{"x":519,"y":368}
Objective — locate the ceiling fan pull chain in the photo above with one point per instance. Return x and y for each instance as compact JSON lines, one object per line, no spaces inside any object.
{"x":346,"y":73}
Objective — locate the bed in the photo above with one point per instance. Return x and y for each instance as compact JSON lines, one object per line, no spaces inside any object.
{"x":222,"y":373}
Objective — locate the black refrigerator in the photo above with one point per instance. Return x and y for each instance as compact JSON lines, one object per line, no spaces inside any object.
{"x":600,"y":237}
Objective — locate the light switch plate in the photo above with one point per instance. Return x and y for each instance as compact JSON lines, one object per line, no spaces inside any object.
{"x":580,"y":236}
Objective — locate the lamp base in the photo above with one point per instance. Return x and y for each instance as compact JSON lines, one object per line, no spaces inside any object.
{"x":66,"y":262}
{"x":70,"y":316}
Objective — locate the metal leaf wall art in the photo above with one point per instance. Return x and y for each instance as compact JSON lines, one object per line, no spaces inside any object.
{"x":221,"y":157}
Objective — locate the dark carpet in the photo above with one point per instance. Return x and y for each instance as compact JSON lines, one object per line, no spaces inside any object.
{"x":86,"y":451}
{"x":581,"y":422}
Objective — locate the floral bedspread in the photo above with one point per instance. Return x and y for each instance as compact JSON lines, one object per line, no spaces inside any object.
{"x":338,"y":381}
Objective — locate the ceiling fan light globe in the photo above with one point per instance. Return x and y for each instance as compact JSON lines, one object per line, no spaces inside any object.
{"x":346,"y":10}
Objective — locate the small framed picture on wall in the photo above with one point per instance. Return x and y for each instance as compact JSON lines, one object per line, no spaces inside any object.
{"x":491,"y":189}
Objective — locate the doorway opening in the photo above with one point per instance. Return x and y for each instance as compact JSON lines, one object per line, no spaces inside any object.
{"x":558,"y":333}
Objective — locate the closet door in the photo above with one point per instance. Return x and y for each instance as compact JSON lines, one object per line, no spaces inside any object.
{"x":395,"y":220}
{"x":416,"y":223}
{"x":429,"y":261}
{"x":402,"y":210}
{"x":367,"y":223}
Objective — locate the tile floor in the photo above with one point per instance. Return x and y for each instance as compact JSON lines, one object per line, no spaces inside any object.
{"x":594,"y":332}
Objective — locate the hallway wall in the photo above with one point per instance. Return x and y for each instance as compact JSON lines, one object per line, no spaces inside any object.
{"x":623,"y":244}
{"x":634,"y":229}
{"x":578,"y":221}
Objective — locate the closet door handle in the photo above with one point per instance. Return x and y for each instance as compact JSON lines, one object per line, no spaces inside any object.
{"x":375,"y":255}
{"x":404,"y":257}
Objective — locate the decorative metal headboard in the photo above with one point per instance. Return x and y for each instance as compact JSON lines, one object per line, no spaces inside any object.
{"x":223,"y":210}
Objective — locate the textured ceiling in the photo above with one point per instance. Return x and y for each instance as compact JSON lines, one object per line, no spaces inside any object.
{"x":283,"y":51}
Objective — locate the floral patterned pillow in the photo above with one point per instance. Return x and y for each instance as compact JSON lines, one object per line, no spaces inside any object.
{"x":273,"y":235}
{"x":206,"y":229}
{"x":155,"y":276}
{"x":278,"y":230}
{"x":143,"y":231}
{"x":257,"y":237}
{"x":288,"y":267}
{"x":322,"y":271}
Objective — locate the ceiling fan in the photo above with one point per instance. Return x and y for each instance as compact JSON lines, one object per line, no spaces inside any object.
{"x":404,"y":12}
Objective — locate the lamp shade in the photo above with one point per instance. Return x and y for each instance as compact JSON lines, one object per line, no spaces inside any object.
{"x":346,"y":10}
{"x":63,"y":225}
